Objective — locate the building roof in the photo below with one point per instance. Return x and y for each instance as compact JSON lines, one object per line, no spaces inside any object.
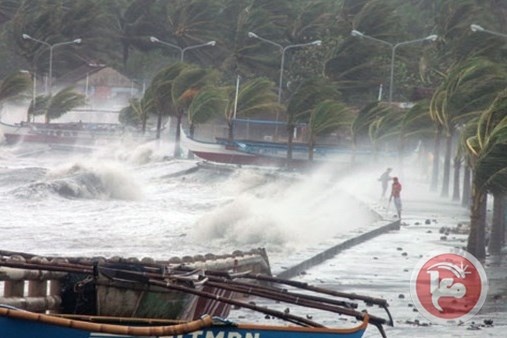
{"x":99,"y":75}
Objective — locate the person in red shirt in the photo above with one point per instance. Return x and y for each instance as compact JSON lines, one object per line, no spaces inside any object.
{"x":395,"y":195}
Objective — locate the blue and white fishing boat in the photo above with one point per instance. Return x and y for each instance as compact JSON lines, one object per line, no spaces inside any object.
{"x":221,"y":287}
{"x":16,"y":323}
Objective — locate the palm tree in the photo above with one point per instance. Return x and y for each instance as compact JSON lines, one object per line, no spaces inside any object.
{"x":303,"y":104}
{"x":361,"y":126}
{"x":328,"y":116}
{"x":467,"y":131}
{"x":207,"y":104}
{"x":358,"y":67}
{"x":13,"y":85}
{"x":57,"y":21}
{"x":158,"y":95}
{"x":186,"y":86}
{"x":486,"y":151}
{"x":255,"y":97}
{"x":416,"y":128}
{"x":469,"y":87}
{"x":386,"y":127}
{"x":190,"y":22}
{"x":135,"y":114}
{"x":53,"y":107}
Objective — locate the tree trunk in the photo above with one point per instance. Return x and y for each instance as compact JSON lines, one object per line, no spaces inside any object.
{"x":504,"y":218}
{"x":289,"y":145}
{"x":311,"y":145}
{"x":447,"y":164}
{"x":145,"y":119}
{"x":125,"y":53}
{"x":159,"y":123}
{"x":477,"y":238}
{"x":230,"y":132}
{"x":465,"y":199}
{"x":191,"y":133}
{"x":497,"y":226}
{"x":354,"y":150}
{"x":436,"y":159}
{"x":456,"y":180}
{"x":177,"y":139}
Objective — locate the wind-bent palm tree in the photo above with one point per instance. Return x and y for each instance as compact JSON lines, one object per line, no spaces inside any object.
{"x":186,"y":23}
{"x":207,"y":104}
{"x":304,"y":103}
{"x":186,"y":86}
{"x":135,"y":114}
{"x":14,"y":85}
{"x":158,"y":96}
{"x":385,"y":128}
{"x":359,"y":66}
{"x":469,"y":87}
{"x":327,"y":117}
{"x":55,"y":106}
{"x":255,"y":97}
{"x":59,"y":21}
{"x":362,"y":124}
{"x":486,"y":151}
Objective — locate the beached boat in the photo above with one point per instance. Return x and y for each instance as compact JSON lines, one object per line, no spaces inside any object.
{"x":59,"y":133}
{"x":17,"y":323}
{"x":66,"y":133}
{"x":262,"y":153}
{"x":21,"y":324}
{"x":78,"y":287}
{"x":217,"y":152}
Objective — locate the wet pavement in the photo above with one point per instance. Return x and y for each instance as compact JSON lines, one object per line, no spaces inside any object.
{"x":382,"y":267}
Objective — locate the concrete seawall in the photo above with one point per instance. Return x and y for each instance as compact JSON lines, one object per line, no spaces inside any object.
{"x":334,"y":250}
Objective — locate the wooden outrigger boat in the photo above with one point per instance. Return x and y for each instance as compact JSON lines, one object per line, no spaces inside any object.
{"x":68,"y":134}
{"x":60,"y":133}
{"x":77,"y":287}
{"x":22,"y":324}
{"x":17,"y":323}
{"x":271,"y":154}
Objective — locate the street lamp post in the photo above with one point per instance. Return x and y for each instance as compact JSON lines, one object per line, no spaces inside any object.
{"x":477,"y":28}
{"x":393,"y":46}
{"x":182,"y":50}
{"x":51,"y":47}
{"x":283,"y":50}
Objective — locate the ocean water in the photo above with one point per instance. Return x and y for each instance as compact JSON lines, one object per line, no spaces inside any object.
{"x":134,"y":201}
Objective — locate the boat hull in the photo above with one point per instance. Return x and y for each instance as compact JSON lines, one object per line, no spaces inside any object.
{"x":62,"y":133}
{"x":102,"y":293}
{"x":271,"y":154}
{"x":227,"y":154}
{"x":26,"y":328}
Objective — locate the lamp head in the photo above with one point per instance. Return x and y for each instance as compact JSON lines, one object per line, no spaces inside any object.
{"x":26,"y":36}
{"x":154,"y":39}
{"x":356,"y":33}
{"x":317,"y":42}
{"x":78,"y":41}
{"x":212,"y":43}
{"x":252,"y":35}
{"x":432,"y":37}
{"x":476,"y":28}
